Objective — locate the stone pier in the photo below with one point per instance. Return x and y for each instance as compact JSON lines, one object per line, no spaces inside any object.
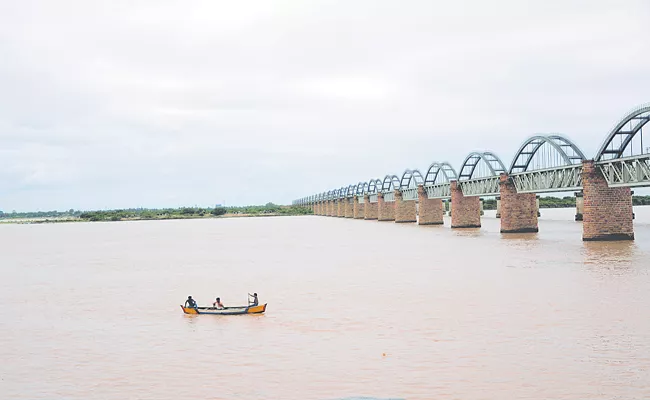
{"x":333,"y":208}
{"x":607,"y":213}
{"x":348,"y":211}
{"x":518,"y":210}
{"x":340,"y":208}
{"x":431,"y":211}
{"x":385,"y":211}
{"x":370,"y":210}
{"x":405,"y":210}
{"x":580,"y":205}
{"x":358,"y":208}
{"x":467,"y":210}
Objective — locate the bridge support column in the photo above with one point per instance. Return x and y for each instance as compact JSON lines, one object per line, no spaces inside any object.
{"x":518,"y":210}
{"x":370,"y":210}
{"x":580,"y":205}
{"x":431,"y":210}
{"x":348,"y":211}
{"x":498,"y":206}
{"x":385,"y":210}
{"x":405,"y":210}
{"x":331,"y":208}
{"x":358,"y":208}
{"x":321,"y":207}
{"x":607,"y":211}
{"x":340,"y":208}
{"x":467,"y":210}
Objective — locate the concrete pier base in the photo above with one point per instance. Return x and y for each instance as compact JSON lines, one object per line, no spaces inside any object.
{"x":405,"y":210}
{"x":385,"y":211}
{"x":607,"y":211}
{"x":580,"y":205}
{"x":466,"y":210}
{"x":518,"y":210}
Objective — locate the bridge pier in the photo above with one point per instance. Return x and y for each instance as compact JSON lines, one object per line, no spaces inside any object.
{"x":370,"y":210}
{"x":332,"y":208}
{"x":348,"y":207}
{"x":518,"y":210}
{"x":340,"y":208}
{"x":607,"y":211}
{"x":580,"y":205}
{"x":405,"y":210}
{"x":467,"y":210}
{"x":385,"y":210}
{"x":358,"y":208}
{"x":498,"y":206}
{"x":431,"y":210}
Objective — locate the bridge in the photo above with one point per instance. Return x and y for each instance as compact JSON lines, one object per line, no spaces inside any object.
{"x":544,"y":163}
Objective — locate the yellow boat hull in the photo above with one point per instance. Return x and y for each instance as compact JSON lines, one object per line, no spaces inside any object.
{"x":225,"y":311}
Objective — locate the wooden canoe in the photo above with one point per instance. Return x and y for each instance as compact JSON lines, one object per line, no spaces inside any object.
{"x":225,"y":311}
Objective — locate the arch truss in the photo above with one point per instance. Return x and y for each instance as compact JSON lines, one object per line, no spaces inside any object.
{"x":479,"y":174}
{"x":409,"y":184}
{"x":374,"y":187}
{"x":437,"y":180}
{"x":547,"y":163}
{"x":388,"y":187}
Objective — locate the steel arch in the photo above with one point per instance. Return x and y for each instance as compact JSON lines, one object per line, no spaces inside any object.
{"x":448,"y":172}
{"x":490,"y":159}
{"x":351,"y":190}
{"x":627,"y":136}
{"x":556,"y":141}
{"x":374,"y":186}
{"x":411,"y":179}
{"x":390,"y":183}
{"x":342,"y":191}
{"x":362,"y":188}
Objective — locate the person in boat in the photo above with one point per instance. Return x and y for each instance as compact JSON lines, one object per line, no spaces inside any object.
{"x":218,"y":304}
{"x":253,"y":302}
{"x":190,"y":302}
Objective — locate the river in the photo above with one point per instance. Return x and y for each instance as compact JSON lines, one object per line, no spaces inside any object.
{"x":355,"y":308}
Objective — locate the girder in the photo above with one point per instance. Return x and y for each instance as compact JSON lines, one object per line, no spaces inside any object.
{"x":439,"y":191}
{"x":637,"y":118}
{"x":628,"y":171}
{"x":410,"y":194}
{"x":389,"y":197}
{"x":559,"y":179}
{"x":372,"y":198}
{"x":480,"y":186}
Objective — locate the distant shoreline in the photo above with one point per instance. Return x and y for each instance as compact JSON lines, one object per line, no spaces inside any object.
{"x":61,"y":220}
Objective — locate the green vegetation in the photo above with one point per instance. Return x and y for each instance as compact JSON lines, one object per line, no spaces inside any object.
{"x":563,"y":202}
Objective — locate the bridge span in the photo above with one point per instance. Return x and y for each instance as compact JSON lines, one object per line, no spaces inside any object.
{"x":544,"y":163}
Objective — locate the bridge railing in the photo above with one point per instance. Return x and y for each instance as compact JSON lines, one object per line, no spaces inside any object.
{"x":556,"y":179}
{"x":480,"y":186}
{"x":439,"y":191}
{"x":628,"y":171}
{"x":389,"y":197}
{"x":410,"y":194}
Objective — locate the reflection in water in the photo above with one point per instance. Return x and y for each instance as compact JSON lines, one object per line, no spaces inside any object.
{"x":356,"y":308}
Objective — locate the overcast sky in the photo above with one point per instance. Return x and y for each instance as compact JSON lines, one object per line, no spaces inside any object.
{"x":107,"y":104}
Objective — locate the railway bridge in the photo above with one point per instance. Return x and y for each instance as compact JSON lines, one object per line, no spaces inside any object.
{"x":545,"y":163}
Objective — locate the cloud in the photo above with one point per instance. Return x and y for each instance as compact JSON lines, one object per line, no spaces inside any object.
{"x":117,"y":104}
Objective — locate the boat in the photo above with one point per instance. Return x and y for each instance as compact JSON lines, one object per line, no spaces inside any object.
{"x":225,"y":311}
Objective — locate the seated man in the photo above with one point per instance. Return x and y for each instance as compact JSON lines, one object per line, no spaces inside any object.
{"x":218,"y":304}
{"x":190,"y":302}
{"x":253,"y":302}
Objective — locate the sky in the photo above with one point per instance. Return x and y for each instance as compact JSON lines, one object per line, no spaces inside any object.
{"x":115,"y":104}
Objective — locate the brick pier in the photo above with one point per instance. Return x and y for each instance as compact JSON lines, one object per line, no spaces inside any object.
{"x":467,"y":210}
{"x":518,"y":210}
{"x":385,"y":211}
{"x":431,"y":210}
{"x":340,"y":208}
{"x":370,"y":210}
{"x":405,"y":210}
{"x":358,"y":208}
{"x":607,"y":211}
{"x":348,"y":211}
